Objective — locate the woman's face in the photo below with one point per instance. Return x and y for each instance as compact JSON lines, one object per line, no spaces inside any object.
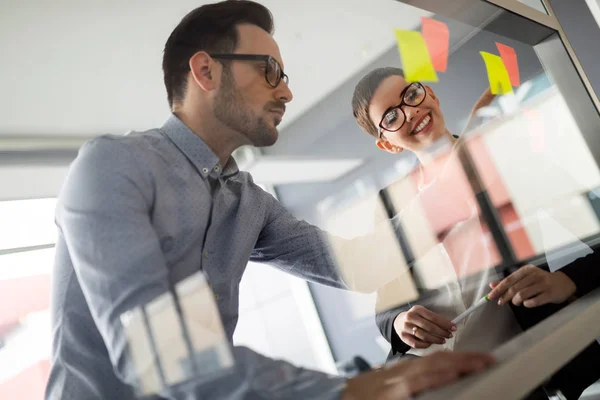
{"x":424,"y":123}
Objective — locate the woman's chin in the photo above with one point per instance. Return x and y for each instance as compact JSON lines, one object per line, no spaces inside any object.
{"x":435,"y":135}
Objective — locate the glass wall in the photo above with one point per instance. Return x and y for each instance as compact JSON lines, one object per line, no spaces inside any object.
{"x":536,"y":166}
{"x":520,"y":183}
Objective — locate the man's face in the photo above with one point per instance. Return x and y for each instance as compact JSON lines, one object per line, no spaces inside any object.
{"x":245,"y":101}
{"x":423,"y":125}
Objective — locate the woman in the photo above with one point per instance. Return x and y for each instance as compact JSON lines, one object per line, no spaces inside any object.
{"x":403,"y":116}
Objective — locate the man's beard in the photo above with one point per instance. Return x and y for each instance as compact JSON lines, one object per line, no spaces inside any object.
{"x":232,"y":112}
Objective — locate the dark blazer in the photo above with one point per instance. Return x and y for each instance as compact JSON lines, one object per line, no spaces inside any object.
{"x":574,"y":377}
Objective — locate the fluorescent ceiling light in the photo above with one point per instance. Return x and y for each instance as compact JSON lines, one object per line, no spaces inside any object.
{"x":277,"y":171}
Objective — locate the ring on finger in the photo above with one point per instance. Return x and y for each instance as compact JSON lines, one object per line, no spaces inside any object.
{"x":414,"y":330}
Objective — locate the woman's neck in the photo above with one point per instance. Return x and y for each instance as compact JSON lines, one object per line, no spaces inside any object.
{"x":426,"y":157}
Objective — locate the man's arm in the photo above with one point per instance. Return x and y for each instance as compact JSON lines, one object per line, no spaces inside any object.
{"x":363,"y":264}
{"x":296,"y":247}
{"x":104,"y":215}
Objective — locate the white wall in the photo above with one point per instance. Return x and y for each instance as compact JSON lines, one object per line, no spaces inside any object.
{"x":30,"y":181}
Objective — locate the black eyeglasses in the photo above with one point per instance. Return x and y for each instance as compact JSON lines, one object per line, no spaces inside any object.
{"x":394,"y":117}
{"x":273,"y":72}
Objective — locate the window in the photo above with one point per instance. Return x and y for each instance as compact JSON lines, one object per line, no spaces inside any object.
{"x":27,"y":223}
{"x":27,"y":237}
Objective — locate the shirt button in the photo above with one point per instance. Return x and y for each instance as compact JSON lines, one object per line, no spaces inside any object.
{"x":205,"y":170}
{"x":217,"y":168}
{"x":205,"y":254}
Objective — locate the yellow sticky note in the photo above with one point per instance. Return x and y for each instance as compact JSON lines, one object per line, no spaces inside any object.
{"x":416,"y":60}
{"x":497,"y":73}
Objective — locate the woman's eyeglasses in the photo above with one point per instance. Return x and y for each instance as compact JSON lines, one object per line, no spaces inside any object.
{"x":394,"y":117}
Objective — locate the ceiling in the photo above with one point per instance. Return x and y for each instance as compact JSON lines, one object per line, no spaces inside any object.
{"x":94,"y":67}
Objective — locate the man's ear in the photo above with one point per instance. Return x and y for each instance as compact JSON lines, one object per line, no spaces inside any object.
{"x":385,"y":145}
{"x":432,"y":94}
{"x":205,"y":71}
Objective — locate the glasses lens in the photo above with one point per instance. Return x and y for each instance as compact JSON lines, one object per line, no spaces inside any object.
{"x":393,"y":120}
{"x":415,"y":94}
{"x":273,"y":72}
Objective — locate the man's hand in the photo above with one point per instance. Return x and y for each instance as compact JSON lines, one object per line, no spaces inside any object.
{"x":420,"y":328}
{"x":533,"y":287}
{"x":409,"y":378}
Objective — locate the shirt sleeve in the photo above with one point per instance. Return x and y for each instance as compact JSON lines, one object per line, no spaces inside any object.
{"x":384,"y":319}
{"x":584,"y":272}
{"x":296,"y":247}
{"x":360,"y":264}
{"x":104,"y":214}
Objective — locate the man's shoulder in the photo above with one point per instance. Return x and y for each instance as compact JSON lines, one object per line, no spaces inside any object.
{"x":246,"y":178}
{"x":131,"y":141}
{"x":124,"y":149}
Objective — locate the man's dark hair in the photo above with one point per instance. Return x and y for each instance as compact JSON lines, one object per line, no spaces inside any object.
{"x":363,"y":94}
{"x":211,"y":28}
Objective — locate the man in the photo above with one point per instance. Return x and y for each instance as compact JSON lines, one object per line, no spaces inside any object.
{"x":140,"y":213}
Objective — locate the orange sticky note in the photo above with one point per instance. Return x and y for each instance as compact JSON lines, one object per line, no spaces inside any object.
{"x":497,"y":73}
{"x":509,"y":57}
{"x":416,"y":61}
{"x":437,"y":39}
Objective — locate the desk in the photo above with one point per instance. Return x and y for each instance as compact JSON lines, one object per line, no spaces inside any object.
{"x":528,"y":360}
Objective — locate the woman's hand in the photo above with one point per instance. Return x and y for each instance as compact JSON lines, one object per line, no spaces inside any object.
{"x":533,"y":287}
{"x":420,"y":328}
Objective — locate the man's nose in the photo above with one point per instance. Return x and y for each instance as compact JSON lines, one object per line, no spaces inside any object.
{"x":283,"y":92}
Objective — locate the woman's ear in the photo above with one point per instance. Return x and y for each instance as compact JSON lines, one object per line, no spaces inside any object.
{"x":385,"y":145}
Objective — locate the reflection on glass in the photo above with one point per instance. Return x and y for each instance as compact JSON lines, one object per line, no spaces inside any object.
{"x":548,"y":170}
{"x":369,"y":256}
{"x":441,"y":221}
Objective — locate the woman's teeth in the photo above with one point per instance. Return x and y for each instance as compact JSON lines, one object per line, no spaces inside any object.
{"x":422,"y":125}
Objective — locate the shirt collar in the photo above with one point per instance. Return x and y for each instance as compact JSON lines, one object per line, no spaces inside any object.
{"x":194,"y":148}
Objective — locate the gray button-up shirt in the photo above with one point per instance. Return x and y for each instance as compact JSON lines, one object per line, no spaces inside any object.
{"x":141,"y":210}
